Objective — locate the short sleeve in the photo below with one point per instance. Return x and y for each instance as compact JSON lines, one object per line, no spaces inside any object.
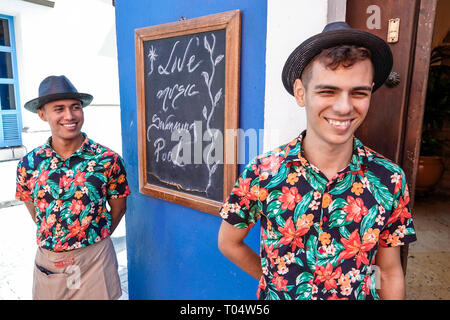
{"x":399,"y":229}
{"x":24,"y":182}
{"x":117,"y":186}
{"x":241,"y":209}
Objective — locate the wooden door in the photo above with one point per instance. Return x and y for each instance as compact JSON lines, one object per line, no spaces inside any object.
{"x":383,"y":129}
{"x":394,"y":122}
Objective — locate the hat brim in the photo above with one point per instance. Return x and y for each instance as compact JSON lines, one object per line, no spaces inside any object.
{"x":381,"y":54}
{"x":35,"y":104}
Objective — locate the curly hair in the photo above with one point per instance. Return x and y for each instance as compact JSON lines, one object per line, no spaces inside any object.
{"x":339,"y":56}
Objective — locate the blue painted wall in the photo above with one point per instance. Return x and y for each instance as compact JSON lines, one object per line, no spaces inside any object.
{"x":172,"y":250}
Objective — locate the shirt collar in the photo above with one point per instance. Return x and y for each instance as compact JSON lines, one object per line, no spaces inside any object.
{"x":294,"y":152}
{"x":88,"y":146}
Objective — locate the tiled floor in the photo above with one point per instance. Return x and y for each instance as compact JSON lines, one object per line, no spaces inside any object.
{"x":427,"y":274}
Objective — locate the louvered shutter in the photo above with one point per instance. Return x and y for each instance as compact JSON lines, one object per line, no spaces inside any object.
{"x":11,"y":135}
{"x":10,"y":114}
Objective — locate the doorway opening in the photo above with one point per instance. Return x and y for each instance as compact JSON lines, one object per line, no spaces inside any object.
{"x":428,"y":257}
{"x":433,"y":176}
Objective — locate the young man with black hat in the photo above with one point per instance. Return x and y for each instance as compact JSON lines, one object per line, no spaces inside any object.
{"x":333,"y":212}
{"x":66,"y":185}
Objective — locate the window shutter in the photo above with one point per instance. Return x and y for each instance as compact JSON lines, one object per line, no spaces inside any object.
{"x":11,"y":130}
{"x":10,"y":111}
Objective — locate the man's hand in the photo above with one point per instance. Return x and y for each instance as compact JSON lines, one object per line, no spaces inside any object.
{"x":118,"y":208}
{"x":231,"y":244}
{"x":392,"y":284}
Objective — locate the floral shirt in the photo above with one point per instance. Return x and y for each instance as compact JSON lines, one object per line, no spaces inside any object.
{"x":319,"y":238}
{"x":70,"y":195}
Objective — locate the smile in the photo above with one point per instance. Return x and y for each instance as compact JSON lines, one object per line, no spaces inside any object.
{"x":70,"y":125}
{"x":340,"y":124}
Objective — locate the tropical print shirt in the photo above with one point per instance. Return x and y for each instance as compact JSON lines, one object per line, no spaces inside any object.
{"x":319,"y":237}
{"x":70,"y":195}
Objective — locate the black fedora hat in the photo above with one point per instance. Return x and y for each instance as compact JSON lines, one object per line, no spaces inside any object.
{"x":334,"y":34}
{"x":57,"y":88}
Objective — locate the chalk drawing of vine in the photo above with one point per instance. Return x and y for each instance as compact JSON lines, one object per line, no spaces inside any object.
{"x":214,"y":99}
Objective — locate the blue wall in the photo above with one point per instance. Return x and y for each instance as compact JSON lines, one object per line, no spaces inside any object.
{"x":172,"y":249}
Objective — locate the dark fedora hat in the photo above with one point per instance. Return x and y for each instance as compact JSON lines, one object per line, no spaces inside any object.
{"x":57,"y":88}
{"x":334,"y":34}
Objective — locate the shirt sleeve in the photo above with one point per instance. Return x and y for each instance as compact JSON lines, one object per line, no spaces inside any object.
{"x":24,"y":182}
{"x":241,"y":209}
{"x":117,"y":186}
{"x":399,"y":229}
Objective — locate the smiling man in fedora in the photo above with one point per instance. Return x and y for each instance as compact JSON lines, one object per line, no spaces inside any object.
{"x":333,"y":212}
{"x":66,"y":185}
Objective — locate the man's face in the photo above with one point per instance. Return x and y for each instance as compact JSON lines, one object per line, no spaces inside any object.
{"x":337,"y":101}
{"x":65,"y":118}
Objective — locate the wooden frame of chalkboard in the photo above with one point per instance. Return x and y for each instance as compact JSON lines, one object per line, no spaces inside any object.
{"x":187,"y":75}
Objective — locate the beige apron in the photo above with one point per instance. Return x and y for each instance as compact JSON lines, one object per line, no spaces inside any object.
{"x":85,"y":273}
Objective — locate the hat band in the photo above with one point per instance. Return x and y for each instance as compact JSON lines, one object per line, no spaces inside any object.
{"x":61,"y":96}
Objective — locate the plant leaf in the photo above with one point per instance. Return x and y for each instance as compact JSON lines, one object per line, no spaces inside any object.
{"x":274,"y":195}
{"x":338,"y":219}
{"x":380,"y":191}
{"x":311,"y":252}
{"x":344,"y":185}
{"x":303,"y":277}
{"x":206,"y":76}
{"x":369,"y":220}
{"x":303,"y":205}
{"x":274,"y":209}
{"x":218,"y":96}
{"x":213,"y":169}
{"x":337,"y":203}
{"x":218,"y":59}
{"x":206,"y":44}
{"x":304,"y":292}
{"x":278,"y":178}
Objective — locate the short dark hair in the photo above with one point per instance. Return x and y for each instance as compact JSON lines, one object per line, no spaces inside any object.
{"x":334,"y":57}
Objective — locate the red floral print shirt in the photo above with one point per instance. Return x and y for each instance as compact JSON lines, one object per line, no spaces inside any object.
{"x":319,"y":238}
{"x":70,"y":195}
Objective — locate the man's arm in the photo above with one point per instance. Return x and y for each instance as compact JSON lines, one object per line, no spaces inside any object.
{"x":392,"y":280}
{"x":30,"y":207}
{"x":118,"y":208}
{"x":231,"y":244}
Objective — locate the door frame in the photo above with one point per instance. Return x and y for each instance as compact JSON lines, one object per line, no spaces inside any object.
{"x":417,"y":93}
{"x":416,"y":101}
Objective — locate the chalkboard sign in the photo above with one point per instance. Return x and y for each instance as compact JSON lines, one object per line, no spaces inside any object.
{"x":188,"y":94}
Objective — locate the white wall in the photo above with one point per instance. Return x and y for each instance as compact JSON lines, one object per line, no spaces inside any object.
{"x":75,"y":38}
{"x":289,"y":23}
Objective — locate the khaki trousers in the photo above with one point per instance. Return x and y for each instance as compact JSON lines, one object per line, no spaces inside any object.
{"x":85,"y":273}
